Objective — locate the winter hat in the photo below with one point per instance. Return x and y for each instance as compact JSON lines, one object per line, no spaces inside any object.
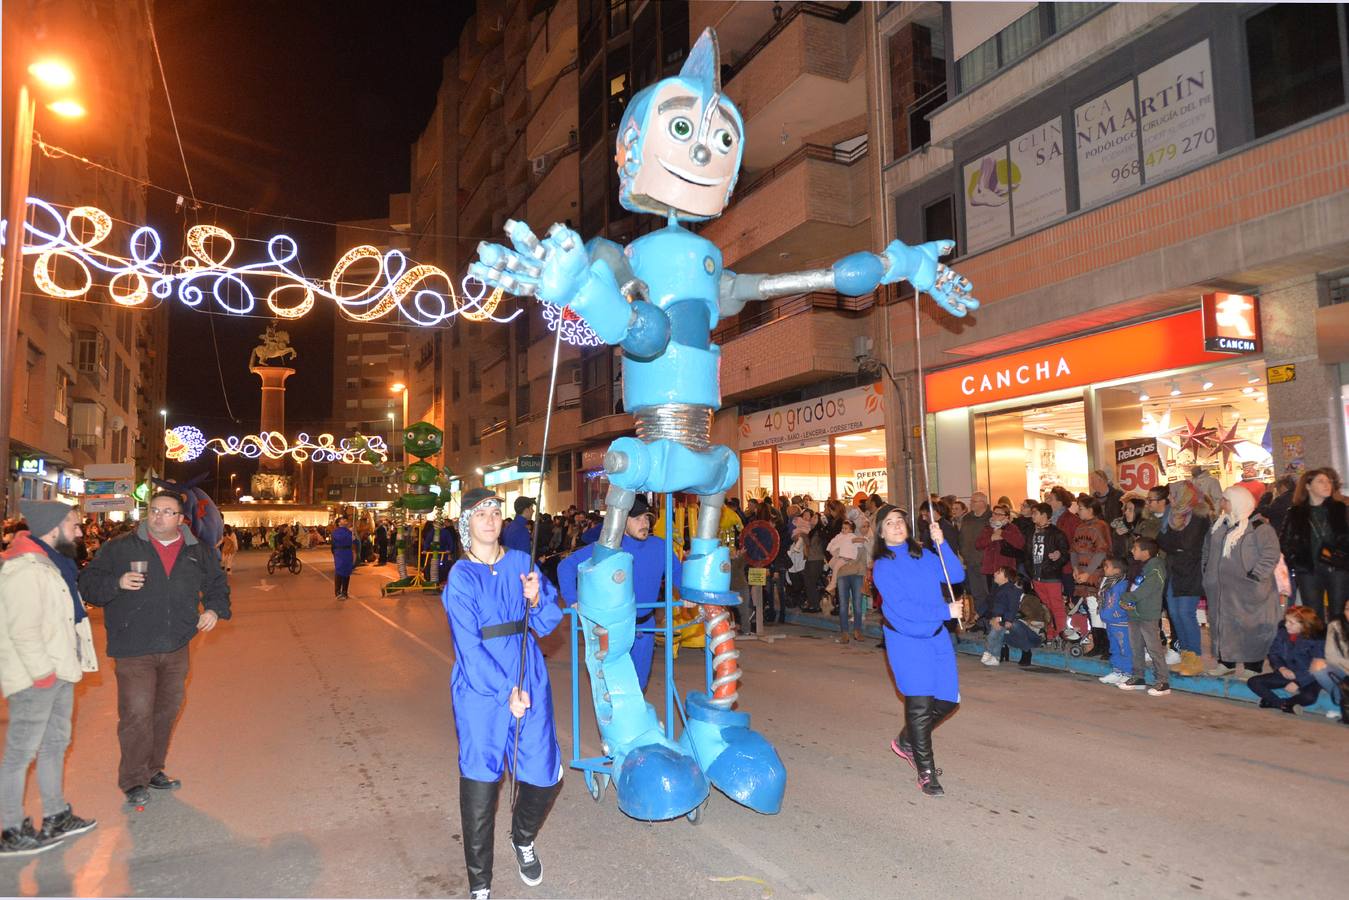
{"x":472,"y":500}
{"x":44,"y":515}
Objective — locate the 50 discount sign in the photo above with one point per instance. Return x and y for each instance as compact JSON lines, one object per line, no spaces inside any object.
{"x":1138,"y":465}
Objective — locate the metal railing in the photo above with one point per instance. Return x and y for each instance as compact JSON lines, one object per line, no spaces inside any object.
{"x":786,"y":307}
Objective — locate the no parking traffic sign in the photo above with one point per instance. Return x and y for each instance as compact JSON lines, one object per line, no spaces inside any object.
{"x":759,"y":543}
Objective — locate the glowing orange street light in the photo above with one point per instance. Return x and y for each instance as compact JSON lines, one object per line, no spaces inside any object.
{"x":52,"y":73}
{"x":397,"y":387}
{"x":67,"y":108}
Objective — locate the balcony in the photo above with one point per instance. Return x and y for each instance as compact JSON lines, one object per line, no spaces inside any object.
{"x":475,"y":214}
{"x":476,"y":160}
{"x":801,"y":340}
{"x":484,"y":92}
{"x":493,"y":447}
{"x":812,"y":207}
{"x":802,"y":76}
{"x":554,"y":117}
{"x":554,"y":46}
{"x":494,"y":385}
{"x":471,"y":53}
{"x":602,"y":414}
{"x":554,"y":198}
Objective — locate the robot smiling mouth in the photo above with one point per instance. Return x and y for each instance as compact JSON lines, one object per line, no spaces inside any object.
{"x":688,"y":176}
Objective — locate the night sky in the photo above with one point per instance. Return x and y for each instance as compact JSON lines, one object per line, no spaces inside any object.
{"x":301,"y":109}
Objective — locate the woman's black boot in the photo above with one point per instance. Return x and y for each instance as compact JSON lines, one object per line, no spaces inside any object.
{"x":919,"y":715}
{"x":1025,"y":658}
{"x":531,"y":809}
{"x":478,"y":814}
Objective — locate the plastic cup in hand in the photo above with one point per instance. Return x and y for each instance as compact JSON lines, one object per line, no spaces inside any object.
{"x":140,"y":566}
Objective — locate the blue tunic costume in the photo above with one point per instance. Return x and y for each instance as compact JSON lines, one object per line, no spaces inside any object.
{"x":487,"y":668}
{"x":648,"y":569}
{"x":515,"y":536}
{"x":916,"y":641}
{"x":344,"y":560}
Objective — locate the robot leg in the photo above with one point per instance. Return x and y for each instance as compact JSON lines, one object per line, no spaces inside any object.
{"x":653,"y":777}
{"x":739,"y":761}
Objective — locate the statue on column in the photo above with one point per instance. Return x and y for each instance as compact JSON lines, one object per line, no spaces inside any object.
{"x":275,"y":345}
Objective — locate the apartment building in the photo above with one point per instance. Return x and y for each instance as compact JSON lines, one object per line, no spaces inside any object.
{"x":1151,"y":200}
{"x":370,"y":369}
{"x":89,"y":377}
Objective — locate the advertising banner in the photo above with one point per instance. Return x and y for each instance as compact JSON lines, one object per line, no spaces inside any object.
{"x":1037,"y":172}
{"x":1138,"y":465}
{"x":855,"y":410}
{"x":1107,"y":146}
{"x":989,"y":182}
{"x":1175,"y":103}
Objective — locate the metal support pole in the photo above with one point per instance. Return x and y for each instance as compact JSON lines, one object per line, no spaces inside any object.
{"x":16,"y":211}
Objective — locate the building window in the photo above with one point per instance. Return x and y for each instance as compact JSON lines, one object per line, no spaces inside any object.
{"x":454,"y":385}
{"x":62,"y":399}
{"x":939,"y":220}
{"x":91,"y":353}
{"x":1020,"y":37}
{"x":564,"y":461}
{"x":1293,"y":52}
{"x":454,"y":438}
{"x":978,"y":64}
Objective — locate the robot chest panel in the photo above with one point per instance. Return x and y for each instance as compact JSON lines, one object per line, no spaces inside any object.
{"x":676,"y":265}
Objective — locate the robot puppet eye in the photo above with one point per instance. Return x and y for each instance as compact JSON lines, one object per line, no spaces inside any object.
{"x":681,"y":128}
{"x":723,"y":140}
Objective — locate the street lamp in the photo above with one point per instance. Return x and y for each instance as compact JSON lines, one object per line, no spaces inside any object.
{"x":50,"y":75}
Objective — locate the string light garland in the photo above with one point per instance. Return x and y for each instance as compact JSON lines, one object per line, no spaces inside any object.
{"x":323,"y":448}
{"x":575,"y":331}
{"x":184,"y":443}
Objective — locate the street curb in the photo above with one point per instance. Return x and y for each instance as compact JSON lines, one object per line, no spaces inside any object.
{"x":1224,"y":688}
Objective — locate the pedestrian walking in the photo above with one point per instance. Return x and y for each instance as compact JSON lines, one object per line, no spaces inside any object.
{"x":382,"y":541}
{"x":344,"y":558}
{"x":922,"y":658}
{"x":160,"y":587}
{"x":503,"y":714}
{"x":228,"y":546}
{"x":44,"y":651}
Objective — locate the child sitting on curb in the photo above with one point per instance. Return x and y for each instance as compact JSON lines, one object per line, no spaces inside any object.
{"x":1116,"y":620}
{"x":1144,"y":605}
{"x":1003,"y":605}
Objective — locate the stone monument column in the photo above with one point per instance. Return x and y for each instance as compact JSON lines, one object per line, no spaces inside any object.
{"x":271,"y":482}
{"x":273,"y":416}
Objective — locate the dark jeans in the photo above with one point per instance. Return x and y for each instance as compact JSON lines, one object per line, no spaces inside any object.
{"x":1324,"y":584}
{"x":813,"y":572}
{"x":341,"y":584}
{"x":1264,"y":686}
{"x":149,"y":695}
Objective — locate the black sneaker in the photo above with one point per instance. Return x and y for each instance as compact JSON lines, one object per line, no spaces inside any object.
{"x":531,"y":870}
{"x":928,"y":783}
{"x":1133,"y":684}
{"x":161,"y":782}
{"x":65,"y":824}
{"x":138,"y":796}
{"x":24,"y":841}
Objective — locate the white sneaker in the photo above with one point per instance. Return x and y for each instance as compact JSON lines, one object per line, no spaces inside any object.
{"x":989,"y":659}
{"x":1172,"y":657}
{"x":1334,"y":714}
{"x":1112,"y":678}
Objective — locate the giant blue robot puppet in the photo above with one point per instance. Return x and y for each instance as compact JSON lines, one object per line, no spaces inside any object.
{"x":202,"y":516}
{"x":679,"y":152}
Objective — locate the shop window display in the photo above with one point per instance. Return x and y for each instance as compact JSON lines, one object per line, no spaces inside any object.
{"x":859,"y":464}
{"x":804,"y":469}
{"x":756,"y":473}
{"x":1026,"y":451}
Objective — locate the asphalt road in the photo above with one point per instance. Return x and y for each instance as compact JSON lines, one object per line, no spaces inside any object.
{"x":317,"y":752}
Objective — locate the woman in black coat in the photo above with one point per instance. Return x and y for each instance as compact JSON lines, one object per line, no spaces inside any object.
{"x":1315,"y":542}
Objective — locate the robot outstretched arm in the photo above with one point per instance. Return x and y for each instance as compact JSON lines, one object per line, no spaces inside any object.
{"x":859,"y":273}
{"x":562,"y":271}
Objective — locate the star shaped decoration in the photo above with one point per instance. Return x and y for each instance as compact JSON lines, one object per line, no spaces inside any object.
{"x":1160,"y":429}
{"x":1225,"y":442}
{"x":1196,"y":437}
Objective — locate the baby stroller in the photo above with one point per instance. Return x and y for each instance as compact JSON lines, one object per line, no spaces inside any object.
{"x":1076,"y":638}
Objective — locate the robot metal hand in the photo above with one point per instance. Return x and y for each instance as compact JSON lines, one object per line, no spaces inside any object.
{"x":552,"y":269}
{"x":919,"y":267}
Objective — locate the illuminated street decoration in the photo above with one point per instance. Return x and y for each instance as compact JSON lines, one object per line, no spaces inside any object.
{"x":323,"y":448}
{"x":184,"y":443}
{"x":575,"y":331}
{"x":71,"y":261}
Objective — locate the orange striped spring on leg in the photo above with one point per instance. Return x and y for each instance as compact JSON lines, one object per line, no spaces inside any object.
{"x":725,"y":658}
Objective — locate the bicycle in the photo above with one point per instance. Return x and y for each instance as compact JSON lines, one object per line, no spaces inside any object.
{"x":279,"y":560}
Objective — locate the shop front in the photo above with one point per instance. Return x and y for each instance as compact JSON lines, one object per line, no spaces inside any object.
{"x":1146,"y":402}
{"x":832,"y":446}
{"x":514,"y":478}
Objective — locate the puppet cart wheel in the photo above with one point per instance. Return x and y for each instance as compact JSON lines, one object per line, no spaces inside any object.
{"x":1075,"y":650}
{"x":697,"y":814}
{"x":596,"y":783}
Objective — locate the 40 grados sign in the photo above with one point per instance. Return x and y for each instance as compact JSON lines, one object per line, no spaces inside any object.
{"x":855,"y":410}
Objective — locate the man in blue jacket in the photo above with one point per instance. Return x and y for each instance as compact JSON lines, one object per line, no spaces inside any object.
{"x":516,"y":535}
{"x":648,"y":571}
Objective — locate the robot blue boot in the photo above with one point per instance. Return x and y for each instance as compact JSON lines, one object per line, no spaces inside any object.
{"x":653,"y":777}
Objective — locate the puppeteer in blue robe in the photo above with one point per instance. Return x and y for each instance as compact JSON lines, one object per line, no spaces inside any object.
{"x":487,"y":614}
{"x":516,"y":535}
{"x":917,"y":643}
{"x":648,"y":570}
{"x":343,"y":547}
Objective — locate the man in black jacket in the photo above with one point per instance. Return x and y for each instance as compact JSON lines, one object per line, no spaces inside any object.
{"x":160,"y":586}
{"x":1046,"y":554}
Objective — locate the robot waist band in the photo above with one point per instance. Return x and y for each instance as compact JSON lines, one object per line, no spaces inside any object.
{"x":683,"y":423}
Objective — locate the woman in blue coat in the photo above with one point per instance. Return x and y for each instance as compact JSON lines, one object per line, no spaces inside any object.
{"x":911,"y":582}
{"x":344,"y":557}
{"x":492,"y":594}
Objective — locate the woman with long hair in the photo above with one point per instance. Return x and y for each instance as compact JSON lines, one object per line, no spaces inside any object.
{"x":1297,"y":644}
{"x":922,"y":658}
{"x":1332,"y":668}
{"x":1315,"y":542}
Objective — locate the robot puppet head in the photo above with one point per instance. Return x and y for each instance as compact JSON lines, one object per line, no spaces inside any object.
{"x":681,"y":142}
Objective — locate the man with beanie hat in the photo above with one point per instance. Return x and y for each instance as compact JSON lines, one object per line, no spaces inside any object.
{"x":516,"y":536}
{"x":160,"y":586}
{"x":648,"y":573}
{"x":41,"y":658}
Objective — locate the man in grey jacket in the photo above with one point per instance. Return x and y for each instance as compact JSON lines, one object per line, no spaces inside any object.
{"x":160,"y":586}
{"x":971,"y":526}
{"x":40,"y":661}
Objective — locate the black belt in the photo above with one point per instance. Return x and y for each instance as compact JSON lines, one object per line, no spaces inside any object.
{"x":650,"y":614}
{"x":505,"y":629}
